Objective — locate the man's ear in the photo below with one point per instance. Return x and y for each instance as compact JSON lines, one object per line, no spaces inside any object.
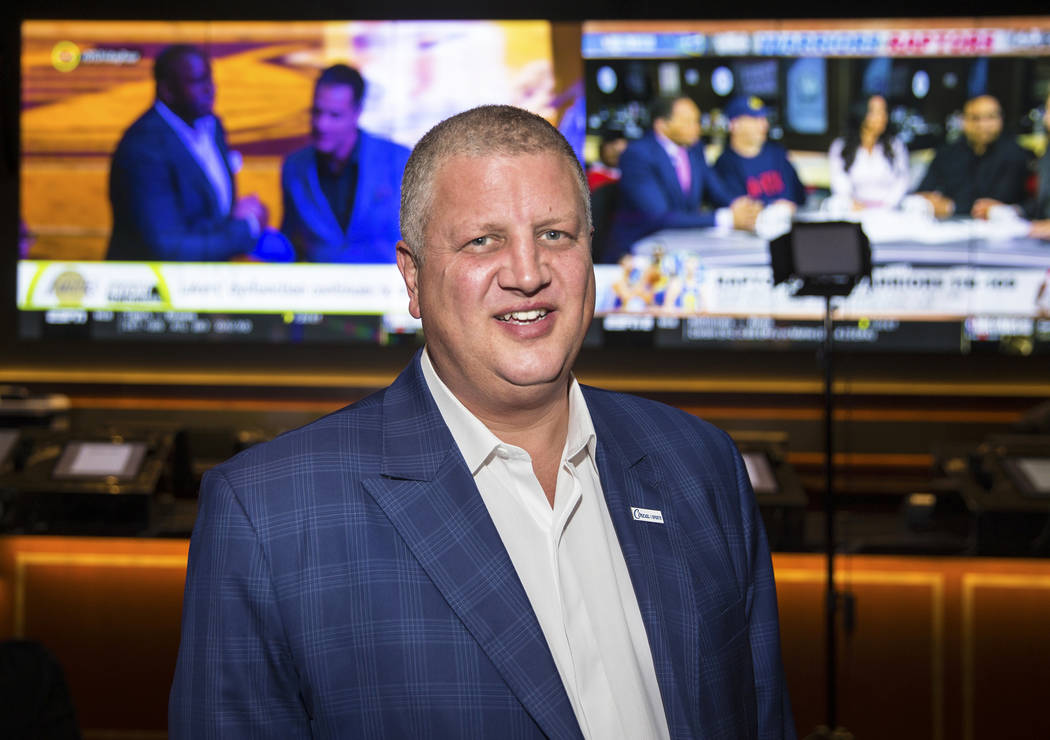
{"x":409,"y":267}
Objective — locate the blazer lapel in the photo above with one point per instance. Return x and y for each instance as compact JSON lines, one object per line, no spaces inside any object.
{"x":430,"y":497}
{"x":669,"y":175}
{"x":698,"y":166}
{"x":191,"y":166}
{"x":658,"y":572}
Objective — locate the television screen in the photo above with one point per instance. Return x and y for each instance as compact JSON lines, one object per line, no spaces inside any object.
{"x":253,"y":240}
{"x":181,"y":180}
{"x":942,"y":281}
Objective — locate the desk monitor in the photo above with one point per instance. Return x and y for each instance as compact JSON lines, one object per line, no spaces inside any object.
{"x":94,"y":460}
{"x":8,"y":438}
{"x":1031,"y":475}
{"x":760,"y":472}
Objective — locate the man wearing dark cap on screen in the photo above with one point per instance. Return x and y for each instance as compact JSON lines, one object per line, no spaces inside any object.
{"x":752,"y":165}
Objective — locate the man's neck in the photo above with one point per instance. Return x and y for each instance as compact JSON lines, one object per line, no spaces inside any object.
{"x":542,"y":434}
{"x":191,"y":122}
{"x":980,"y":149}
{"x":336,"y":162}
{"x":744,"y":149}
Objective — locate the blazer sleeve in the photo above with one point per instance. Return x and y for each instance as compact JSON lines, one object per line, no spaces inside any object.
{"x":775,"y":719}
{"x":293,"y":225}
{"x":234,"y":677}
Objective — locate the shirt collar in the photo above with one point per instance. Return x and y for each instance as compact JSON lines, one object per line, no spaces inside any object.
{"x":476,"y":442}
{"x":203,"y":125}
{"x":668,"y":146}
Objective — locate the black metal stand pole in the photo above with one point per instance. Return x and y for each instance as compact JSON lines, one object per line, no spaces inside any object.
{"x":831,"y":596}
{"x":832,"y":730}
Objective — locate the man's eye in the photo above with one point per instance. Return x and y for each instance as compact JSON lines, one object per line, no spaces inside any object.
{"x":481,"y":243}
{"x":554,"y":235}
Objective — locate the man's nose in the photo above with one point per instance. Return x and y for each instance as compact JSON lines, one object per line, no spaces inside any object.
{"x":526,"y":269}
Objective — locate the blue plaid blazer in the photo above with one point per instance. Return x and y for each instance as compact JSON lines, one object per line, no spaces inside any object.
{"x":345,"y":580}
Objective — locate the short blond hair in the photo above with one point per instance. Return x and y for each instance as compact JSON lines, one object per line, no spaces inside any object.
{"x":489,"y":130}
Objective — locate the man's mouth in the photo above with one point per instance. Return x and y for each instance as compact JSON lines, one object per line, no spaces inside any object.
{"x":524,"y":317}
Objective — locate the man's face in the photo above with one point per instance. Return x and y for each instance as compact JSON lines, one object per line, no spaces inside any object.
{"x":609,"y":152}
{"x":982,"y":121}
{"x":190,"y":93}
{"x":877,"y":116}
{"x":506,"y":286}
{"x":749,"y":131}
{"x":333,"y":120}
{"x":683,"y":125}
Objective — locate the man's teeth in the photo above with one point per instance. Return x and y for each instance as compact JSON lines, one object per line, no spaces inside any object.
{"x":533,"y":315}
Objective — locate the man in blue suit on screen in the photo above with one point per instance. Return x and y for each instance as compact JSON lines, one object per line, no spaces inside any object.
{"x":486,"y":548}
{"x":665,"y":182}
{"x":171,"y":181}
{"x":341,"y":191}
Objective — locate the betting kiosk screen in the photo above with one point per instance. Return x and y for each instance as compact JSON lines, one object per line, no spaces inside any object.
{"x":98,"y":460}
{"x":760,"y":472}
{"x":1031,"y":475}
{"x":8,"y":438}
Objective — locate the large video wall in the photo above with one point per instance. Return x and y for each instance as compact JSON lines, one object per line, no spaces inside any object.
{"x":941,"y":284}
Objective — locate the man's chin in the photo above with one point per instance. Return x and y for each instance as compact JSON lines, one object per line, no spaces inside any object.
{"x":537,"y":378}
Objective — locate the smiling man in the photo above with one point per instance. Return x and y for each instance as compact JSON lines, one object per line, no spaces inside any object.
{"x":341,"y":191}
{"x":486,"y":548}
{"x":172,"y":183}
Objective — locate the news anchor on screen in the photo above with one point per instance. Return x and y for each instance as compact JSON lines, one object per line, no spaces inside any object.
{"x":981,"y":168}
{"x":751,"y":164}
{"x":171,"y":182}
{"x":341,"y":192}
{"x":665,"y":181}
{"x":486,"y":548}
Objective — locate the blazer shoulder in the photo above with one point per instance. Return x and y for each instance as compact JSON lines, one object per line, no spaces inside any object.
{"x":298,"y":160}
{"x":641,"y":420}
{"x":343,"y":437}
{"x":148,"y":131}
{"x":385,"y":147}
{"x":644,"y":148}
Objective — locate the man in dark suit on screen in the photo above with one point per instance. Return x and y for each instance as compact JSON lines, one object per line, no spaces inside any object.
{"x":486,"y":548}
{"x":665,"y":182}
{"x":171,"y":182}
{"x":341,"y":191}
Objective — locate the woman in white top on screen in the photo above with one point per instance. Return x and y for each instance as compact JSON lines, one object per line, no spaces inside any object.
{"x":869,"y":166}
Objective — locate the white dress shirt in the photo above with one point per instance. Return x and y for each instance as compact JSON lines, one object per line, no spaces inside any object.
{"x":570,"y":562}
{"x":872,"y":180}
{"x":200,"y":140}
